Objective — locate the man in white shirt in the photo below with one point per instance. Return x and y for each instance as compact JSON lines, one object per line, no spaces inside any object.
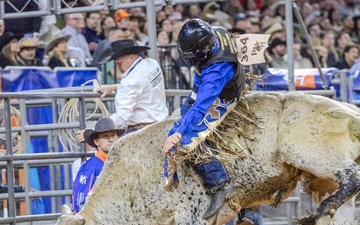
{"x":140,"y":97}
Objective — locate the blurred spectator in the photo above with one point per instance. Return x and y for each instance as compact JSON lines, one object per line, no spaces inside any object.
{"x":315,"y":15}
{"x":193,"y":11}
{"x":114,"y":34}
{"x":143,"y":32}
{"x":266,"y":10}
{"x":255,"y":25}
{"x":325,"y":24}
{"x":160,"y":16}
{"x":47,"y":31}
{"x":348,"y":24}
{"x":279,"y":10}
{"x":349,"y":9}
{"x":328,"y":41}
{"x":175,"y":17}
{"x":314,"y":30}
{"x":27,"y":54}
{"x":78,"y":46}
{"x":137,"y":12}
{"x":241,"y":22}
{"x":342,"y":41}
{"x":355,"y":36}
{"x":252,"y":7}
{"x":162,"y":37}
{"x":2,"y":27}
{"x":350,"y":55}
{"x":90,"y":31}
{"x":168,"y":9}
{"x":166,"y":26}
{"x":134,"y":27}
{"x":35,"y":37}
{"x":321,"y":53}
{"x":122,"y":18}
{"x":56,"y":52}
{"x":174,"y":37}
{"x":105,"y":25}
{"x":299,"y":60}
{"x":179,"y":8}
{"x":277,"y":50}
{"x":233,"y":7}
{"x":9,"y":50}
{"x":21,"y":26}
{"x":334,"y":17}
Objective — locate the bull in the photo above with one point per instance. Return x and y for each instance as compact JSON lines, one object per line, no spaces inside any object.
{"x":302,"y":138}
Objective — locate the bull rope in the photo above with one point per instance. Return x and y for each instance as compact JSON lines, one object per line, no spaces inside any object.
{"x":70,"y":114}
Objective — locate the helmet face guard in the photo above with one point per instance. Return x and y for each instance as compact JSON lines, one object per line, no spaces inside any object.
{"x":194,"y":56}
{"x":196,"y":42}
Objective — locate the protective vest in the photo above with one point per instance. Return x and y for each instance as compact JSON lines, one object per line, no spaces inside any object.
{"x":226,"y":53}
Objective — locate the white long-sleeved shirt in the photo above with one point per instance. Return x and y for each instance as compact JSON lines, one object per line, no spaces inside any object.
{"x":140,"y":96}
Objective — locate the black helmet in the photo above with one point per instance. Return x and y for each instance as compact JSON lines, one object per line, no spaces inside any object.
{"x":196,"y":42}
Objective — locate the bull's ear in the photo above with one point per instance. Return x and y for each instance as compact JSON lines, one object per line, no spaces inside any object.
{"x":80,"y":222}
{"x":66,"y":210}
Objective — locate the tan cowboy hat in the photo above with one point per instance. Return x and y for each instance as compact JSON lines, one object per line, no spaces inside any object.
{"x":274,"y":28}
{"x":101,"y":126}
{"x":27,"y":43}
{"x":121,"y":48}
{"x":55,"y":41}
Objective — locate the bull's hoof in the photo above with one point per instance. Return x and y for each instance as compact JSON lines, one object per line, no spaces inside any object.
{"x":307,"y":220}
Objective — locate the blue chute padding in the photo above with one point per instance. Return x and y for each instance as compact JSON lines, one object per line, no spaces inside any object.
{"x":36,"y":204}
{"x":72,"y":77}
{"x":305,"y":79}
{"x":26,"y":78}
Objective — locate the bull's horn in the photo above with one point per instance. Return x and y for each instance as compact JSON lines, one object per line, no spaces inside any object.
{"x":65,"y":210}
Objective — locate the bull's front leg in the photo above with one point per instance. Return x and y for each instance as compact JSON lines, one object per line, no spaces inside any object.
{"x":349,"y":181}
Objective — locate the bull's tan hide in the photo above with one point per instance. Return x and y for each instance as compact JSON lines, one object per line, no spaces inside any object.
{"x":304,"y":138}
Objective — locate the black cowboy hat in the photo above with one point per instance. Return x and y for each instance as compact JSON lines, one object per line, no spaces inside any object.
{"x":276,"y":42}
{"x":6,"y":38}
{"x":101,"y":126}
{"x":121,"y":48}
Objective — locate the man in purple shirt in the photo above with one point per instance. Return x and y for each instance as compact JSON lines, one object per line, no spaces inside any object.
{"x":217,"y":86}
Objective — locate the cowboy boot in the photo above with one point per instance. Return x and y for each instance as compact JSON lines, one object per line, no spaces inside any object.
{"x":222,"y":192}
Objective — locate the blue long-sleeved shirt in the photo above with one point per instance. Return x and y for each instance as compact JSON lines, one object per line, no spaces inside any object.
{"x":209,"y":83}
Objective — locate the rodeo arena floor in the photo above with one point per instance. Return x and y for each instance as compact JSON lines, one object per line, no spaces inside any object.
{"x":41,"y":109}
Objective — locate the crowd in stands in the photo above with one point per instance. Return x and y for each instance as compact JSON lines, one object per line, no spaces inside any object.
{"x":77,"y":39}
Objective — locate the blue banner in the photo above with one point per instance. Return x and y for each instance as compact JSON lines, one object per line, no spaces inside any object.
{"x":305,"y":79}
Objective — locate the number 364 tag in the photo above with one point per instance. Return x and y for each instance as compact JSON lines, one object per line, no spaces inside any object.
{"x":251,"y":48}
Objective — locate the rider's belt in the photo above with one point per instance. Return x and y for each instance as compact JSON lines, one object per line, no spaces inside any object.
{"x":138,"y":126}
